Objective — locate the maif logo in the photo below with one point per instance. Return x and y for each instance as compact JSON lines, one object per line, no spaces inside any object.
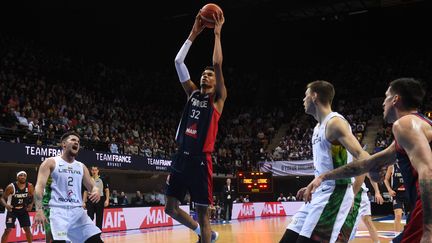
{"x":273,"y":209}
{"x":247,"y":211}
{"x":156,"y":217}
{"x":192,"y":131}
{"x":114,"y":220}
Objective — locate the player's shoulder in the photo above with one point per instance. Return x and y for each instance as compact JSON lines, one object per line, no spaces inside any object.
{"x":337,"y":124}
{"x":337,"y":119}
{"x":10,"y":186}
{"x":49,"y":162}
{"x":407,"y":123}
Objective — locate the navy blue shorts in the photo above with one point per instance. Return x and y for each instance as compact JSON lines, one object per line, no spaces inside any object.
{"x":22,"y":216}
{"x":191,"y":174}
{"x":400,"y":201}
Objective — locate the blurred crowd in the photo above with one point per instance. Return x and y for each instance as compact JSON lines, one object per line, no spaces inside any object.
{"x":43,"y":94}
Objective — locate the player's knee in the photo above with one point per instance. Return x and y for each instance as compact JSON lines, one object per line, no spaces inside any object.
{"x":94,"y":239}
{"x":26,"y":229}
{"x":398,"y":214}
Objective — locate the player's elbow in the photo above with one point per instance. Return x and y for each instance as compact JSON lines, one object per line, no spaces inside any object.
{"x":177,"y":61}
{"x":217,"y":64}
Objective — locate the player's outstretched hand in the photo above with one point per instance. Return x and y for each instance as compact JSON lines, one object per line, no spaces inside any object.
{"x":219,"y":20}
{"x":40,"y":218}
{"x":300,"y":193}
{"x":379,"y":199}
{"x":198,"y":25}
{"x":94,"y":196}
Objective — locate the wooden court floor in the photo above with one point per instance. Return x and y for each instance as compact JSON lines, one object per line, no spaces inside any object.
{"x":260,"y":230}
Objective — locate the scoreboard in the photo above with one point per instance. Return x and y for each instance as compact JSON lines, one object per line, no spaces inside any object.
{"x":254,"y":182}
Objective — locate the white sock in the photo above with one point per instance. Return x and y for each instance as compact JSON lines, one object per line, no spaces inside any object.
{"x":197,"y":230}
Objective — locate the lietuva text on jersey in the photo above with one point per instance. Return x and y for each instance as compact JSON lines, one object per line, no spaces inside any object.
{"x":196,"y":133}
{"x":69,"y":171}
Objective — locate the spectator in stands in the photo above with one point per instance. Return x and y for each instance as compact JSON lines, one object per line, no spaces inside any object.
{"x":152,"y":198}
{"x":160,"y":197}
{"x":246,"y":199}
{"x":239,"y":199}
{"x":213,"y":209}
{"x":114,"y":200}
{"x":291,"y":197}
{"x":138,"y":199}
{"x":281,"y":198}
{"x":113,"y":147}
{"x":122,"y":199}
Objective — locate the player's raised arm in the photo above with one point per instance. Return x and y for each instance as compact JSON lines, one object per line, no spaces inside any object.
{"x":182,"y":71}
{"x":221,"y":92}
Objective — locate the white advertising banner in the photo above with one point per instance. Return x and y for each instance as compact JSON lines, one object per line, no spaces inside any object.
{"x":288,"y":168}
{"x":264,"y":209}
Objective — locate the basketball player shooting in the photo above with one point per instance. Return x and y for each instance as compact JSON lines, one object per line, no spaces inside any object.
{"x":196,"y":135}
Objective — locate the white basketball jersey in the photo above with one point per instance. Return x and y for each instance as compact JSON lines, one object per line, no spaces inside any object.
{"x":327,"y":156}
{"x":65,"y":188}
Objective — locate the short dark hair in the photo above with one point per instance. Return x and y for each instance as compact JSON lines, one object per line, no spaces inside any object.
{"x":67,"y":134}
{"x":211,"y":68}
{"x":324,"y":89}
{"x":410,"y":90}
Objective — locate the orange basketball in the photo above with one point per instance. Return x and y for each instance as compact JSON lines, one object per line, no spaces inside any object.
{"x":207,"y":13}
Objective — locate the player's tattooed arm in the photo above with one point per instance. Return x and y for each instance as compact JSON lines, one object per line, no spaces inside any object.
{"x":352,"y":169}
{"x":376,"y":162}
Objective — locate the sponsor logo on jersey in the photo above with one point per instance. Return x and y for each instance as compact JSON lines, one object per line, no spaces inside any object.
{"x":68,"y":200}
{"x":192,"y":131}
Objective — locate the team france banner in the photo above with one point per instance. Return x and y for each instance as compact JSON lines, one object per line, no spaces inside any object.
{"x":288,"y":168}
{"x":33,"y":154}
